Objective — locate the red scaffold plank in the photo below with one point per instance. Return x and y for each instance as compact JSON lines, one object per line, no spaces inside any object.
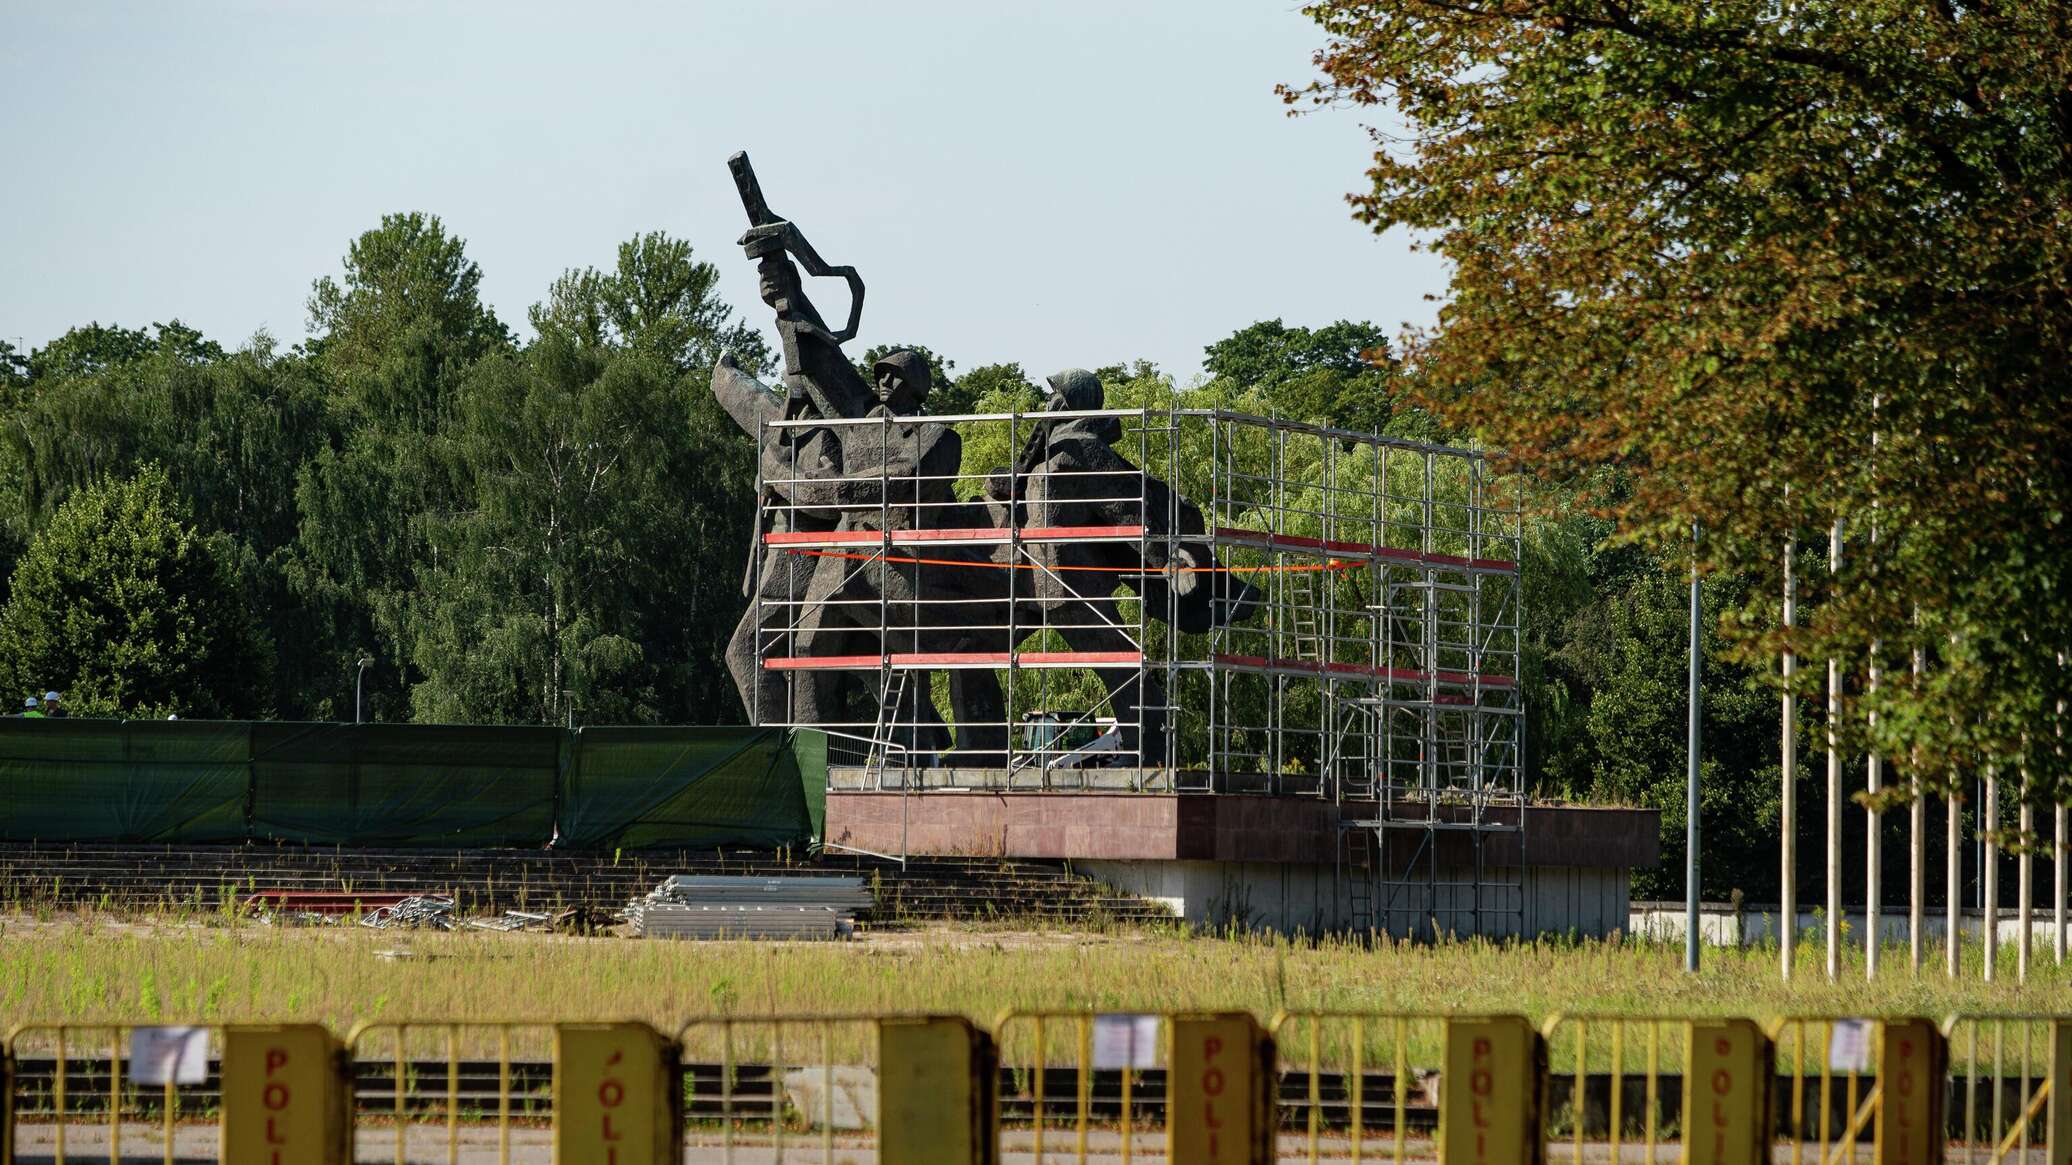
{"x":962,"y":534}
{"x":1399,"y":675}
{"x":954,"y":659}
{"x":1073,"y":533}
{"x":1271,"y":541}
{"x":1079,"y":658}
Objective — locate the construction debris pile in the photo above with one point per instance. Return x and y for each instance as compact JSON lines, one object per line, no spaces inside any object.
{"x":713,"y":907}
{"x":433,"y":910}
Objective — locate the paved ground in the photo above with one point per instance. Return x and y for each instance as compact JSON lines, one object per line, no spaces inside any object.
{"x":37,"y":1145}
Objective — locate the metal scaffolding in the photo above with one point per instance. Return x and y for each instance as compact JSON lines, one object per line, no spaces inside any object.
{"x":1233,"y":604}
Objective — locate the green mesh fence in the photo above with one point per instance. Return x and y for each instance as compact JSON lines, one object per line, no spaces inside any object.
{"x":641,"y":787}
{"x":114,"y":780}
{"x":404,"y":784}
{"x":408,"y":784}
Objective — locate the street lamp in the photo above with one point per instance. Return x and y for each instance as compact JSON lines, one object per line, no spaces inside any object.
{"x":359,"y":677}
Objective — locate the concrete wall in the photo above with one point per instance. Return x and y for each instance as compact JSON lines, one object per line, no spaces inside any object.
{"x":1721,"y":924}
{"x":1311,"y":898}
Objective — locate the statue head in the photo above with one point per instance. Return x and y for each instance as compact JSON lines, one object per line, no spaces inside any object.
{"x":1075,"y":388}
{"x":901,"y":382}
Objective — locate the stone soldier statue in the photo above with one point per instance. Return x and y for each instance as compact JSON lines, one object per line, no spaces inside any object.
{"x":892,"y":475}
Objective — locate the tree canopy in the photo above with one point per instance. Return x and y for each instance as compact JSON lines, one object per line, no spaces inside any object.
{"x":125,"y":607}
{"x":1783,"y":267}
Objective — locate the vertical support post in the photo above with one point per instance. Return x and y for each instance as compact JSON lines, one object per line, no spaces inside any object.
{"x":1913,"y":1059}
{"x":1788,"y":790}
{"x":617,"y":1098}
{"x":2025,"y":885}
{"x":284,"y":1096}
{"x":2057,"y":873}
{"x":1989,"y":874}
{"x":936,"y":1092}
{"x":1691,"y":824}
{"x":1953,"y":885}
{"x":2058,"y":1115}
{"x":7,"y":1102}
{"x":1495,"y":1111}
{"x":1728,"y":1094}
{"x":1873,"y":849}
{"x":1917,"y":848}
{"x":1834,"y":777}
{"x":1221,"y":1077}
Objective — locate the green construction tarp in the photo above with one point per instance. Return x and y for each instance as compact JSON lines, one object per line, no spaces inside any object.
{"x":123,"y":781}
{"x":408,"y":785}
{"x":405,"y":784}
{"x":635,"y":788}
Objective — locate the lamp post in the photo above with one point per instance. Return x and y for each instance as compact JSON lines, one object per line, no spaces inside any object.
{"x":359,"y":678}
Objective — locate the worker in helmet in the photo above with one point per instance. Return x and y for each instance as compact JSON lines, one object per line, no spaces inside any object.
{"x":30,"y":709}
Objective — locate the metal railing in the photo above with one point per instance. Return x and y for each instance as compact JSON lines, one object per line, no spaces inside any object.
{"x":1309,"y":1086}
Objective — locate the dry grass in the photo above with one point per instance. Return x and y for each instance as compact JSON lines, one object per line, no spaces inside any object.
{"x":88,"y":969}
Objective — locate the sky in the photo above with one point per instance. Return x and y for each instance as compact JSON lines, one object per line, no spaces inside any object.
{"x":1059,"y":184}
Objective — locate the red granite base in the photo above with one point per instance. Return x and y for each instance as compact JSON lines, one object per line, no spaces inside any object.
{"x":1206,"y":827}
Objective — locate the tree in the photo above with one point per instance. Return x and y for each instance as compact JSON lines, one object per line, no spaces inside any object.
{"x":603,"y":480}
{"x":657,"y":300}
{"x":1785,"y":266}
{"x":1340,"y":374}
{"x":396,"y":336}
{"x":128,"y":609}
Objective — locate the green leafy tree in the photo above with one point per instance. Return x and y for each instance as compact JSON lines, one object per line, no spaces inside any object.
{"x":395,"y":338}
{"x":122,"y":604}
{"x":1786,"y":266}
{"x":14,"y":371}
{"x":587,"y":570}
{"x":1340,"y":374}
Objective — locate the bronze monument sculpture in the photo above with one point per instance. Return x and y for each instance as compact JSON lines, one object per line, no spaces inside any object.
{"x":858,"y":463}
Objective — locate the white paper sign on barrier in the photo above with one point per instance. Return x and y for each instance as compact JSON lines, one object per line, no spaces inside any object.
{"x":169,"y":1055}
{"x":1125,"y":1041}
{"x":1849,"y":1046}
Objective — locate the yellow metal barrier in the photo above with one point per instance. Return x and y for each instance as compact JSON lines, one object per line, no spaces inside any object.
{"x":442,"y":1081}
{"x":1363,"y":1084}
{"x":936,"y":1079}
{"x":915,"y":1090}
{"x":93,"y":1102}
{"x":1644,"y":1083}
{"x":1220,"y":1079}
{"x":616,"y":1097}
{"x":284,"y":1096}
{"x":1879,"y":1079}
{"x":6,"y":1103}
{"x":1493,"y":1092}
{"x":2011,"y":1074}
{"x":1132,"y":1086}
{"x":281,"y":1096}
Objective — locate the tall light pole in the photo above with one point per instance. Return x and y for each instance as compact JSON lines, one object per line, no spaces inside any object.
{"x":1691,"y":782}
{"x":359,"y":676}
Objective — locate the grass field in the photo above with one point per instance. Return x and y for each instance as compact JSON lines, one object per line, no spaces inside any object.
{"x":91,"y":968}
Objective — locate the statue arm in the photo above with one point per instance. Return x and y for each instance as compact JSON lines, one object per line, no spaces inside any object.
{"x":747,"y":400}
{"x":833,"y":383}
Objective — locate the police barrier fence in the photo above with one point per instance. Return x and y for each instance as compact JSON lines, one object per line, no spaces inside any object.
{"x":1310,"y":1086}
